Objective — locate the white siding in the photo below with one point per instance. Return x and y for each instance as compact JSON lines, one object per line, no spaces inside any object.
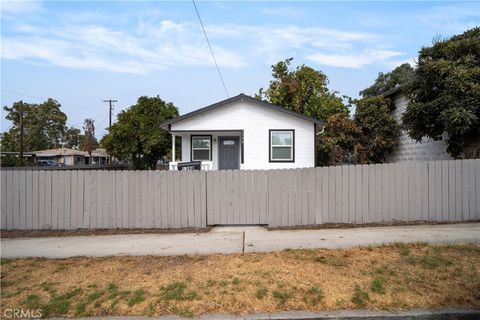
{"x":255,"y":121}
{"x":410,"y":150}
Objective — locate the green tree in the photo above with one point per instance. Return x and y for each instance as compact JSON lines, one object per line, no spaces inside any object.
{"x":303,"y":90}
{"x":380,"y":131}
{"x":9,"y":140}
{"x":44,"y":126}
{"x":137,"y":136}
{"x":444,"y":94}
{"x":386,"y":81}
{"x":73,"y":138}
{"x":339,"y":142}
{"x":367,"y":138}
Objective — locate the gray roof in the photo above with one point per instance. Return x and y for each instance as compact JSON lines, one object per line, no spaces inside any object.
{"x":68,"y":152}
{"x":59,"y":152}
{"x":392,"y":91}
{"x":240,"y":97}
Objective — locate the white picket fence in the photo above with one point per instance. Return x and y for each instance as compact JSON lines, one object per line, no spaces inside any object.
{"x":447,"y":191}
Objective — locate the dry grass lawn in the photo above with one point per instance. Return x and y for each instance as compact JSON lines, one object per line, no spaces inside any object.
{"x":388,"y":277}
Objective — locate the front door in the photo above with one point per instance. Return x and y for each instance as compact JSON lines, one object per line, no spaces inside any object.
{"x":228,"y":153}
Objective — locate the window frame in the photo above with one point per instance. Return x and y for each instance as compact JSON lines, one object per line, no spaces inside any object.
{"x":270,"y":146}
{"x":209,"y":136}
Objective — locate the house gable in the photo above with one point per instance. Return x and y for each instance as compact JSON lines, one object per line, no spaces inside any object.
{"x":234,"y":100}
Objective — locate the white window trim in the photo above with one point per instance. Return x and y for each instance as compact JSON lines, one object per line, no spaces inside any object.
{"x":193,"y":149}
{"x":291,"y":146}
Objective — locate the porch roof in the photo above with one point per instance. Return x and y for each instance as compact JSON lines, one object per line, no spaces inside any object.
{"x":241,"y":97}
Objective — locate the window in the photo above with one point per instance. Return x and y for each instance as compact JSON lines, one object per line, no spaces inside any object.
{"x":282,"y":146}
{"x":201,"y":148}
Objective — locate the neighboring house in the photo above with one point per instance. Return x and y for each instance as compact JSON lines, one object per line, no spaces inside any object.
{"x":71,"y":157}
{"x":99,"y":156}
{"x":245,"y":133}
{"x":409,"y":149}
{"x":62,"y":156}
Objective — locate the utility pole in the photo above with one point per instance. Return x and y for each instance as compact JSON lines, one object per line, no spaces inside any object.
{"x":110,"y":103}
{"x":110,"y":108}
{"x":21,"y":132}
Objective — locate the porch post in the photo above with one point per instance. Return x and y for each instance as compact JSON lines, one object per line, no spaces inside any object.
{"x":173,"y":147}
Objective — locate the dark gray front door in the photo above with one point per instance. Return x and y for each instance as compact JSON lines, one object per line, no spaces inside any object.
{"x":228,"y":153}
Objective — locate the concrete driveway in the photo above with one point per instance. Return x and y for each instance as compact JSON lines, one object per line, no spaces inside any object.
{"x":231,"y":240}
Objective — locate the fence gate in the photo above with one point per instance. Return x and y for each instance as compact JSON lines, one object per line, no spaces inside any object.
{"x":237,"y":197}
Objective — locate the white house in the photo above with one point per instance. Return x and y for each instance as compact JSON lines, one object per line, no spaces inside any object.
{"x":408,"y":149}
{"x":245,"y":133}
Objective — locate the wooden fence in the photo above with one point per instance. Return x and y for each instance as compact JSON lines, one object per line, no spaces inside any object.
{"x":57,"y":200}
{"x":446,"y":191}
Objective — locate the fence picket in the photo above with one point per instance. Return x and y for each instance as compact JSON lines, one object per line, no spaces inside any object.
{"x":3,"y":200}
{"x":29,"y":214}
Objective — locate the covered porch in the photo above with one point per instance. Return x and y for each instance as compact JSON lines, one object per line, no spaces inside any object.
{"x":216,"y":150}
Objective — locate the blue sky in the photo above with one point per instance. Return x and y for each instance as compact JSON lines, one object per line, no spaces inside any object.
{"x":83,"y":52}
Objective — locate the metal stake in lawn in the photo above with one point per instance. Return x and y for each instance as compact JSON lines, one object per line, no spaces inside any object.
{"x":243,"y":243}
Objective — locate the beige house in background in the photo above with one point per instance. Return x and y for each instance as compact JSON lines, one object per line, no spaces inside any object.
{"x":71,"y":157}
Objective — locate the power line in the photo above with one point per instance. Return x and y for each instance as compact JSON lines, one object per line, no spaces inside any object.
{"x":77,"y":125}
{"x":21,"y":94}
{"x":95,"y":117}
{"x":40,"y":98}
{"x":101,"y":121}
{"x":211,"y":51}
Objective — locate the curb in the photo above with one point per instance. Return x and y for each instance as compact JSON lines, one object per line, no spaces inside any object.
{"x":424,"y":314}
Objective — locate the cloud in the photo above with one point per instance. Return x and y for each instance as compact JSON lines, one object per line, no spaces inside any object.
{"x":144,"y":44}
{"x":272,"y":43}
{"x":19,"y":6}
{"x":451,"y":19}
{"x":392,"y":64}
{"x":101,"y":48}
{"x":353,"y":60}
{"x":282,"y":12}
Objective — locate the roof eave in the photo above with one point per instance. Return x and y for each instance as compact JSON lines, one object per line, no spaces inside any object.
{"x":392,"y":91}
{"x":241,"y":97}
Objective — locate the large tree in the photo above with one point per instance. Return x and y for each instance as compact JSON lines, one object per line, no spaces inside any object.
{"x":444,"y":94}
{"x":380,"y":131}
{"x":386,"y":81}
{"x":137,"y":136}
{"x":367,"y":138}
{"x":303,"y":90}
{"x":44,"y":125}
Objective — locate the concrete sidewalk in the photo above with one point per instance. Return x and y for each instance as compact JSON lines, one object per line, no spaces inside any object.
{"x":230,"y":240}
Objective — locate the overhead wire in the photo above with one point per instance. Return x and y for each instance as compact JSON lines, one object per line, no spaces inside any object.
{"x":211,"y":50}
{"x":75,"y":125}
{"x":40,"y":98}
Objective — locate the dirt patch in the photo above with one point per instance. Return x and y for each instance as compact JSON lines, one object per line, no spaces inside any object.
{"x":388,"y":278}
{"x":69,"y":233}
{"x":361,"y":225}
